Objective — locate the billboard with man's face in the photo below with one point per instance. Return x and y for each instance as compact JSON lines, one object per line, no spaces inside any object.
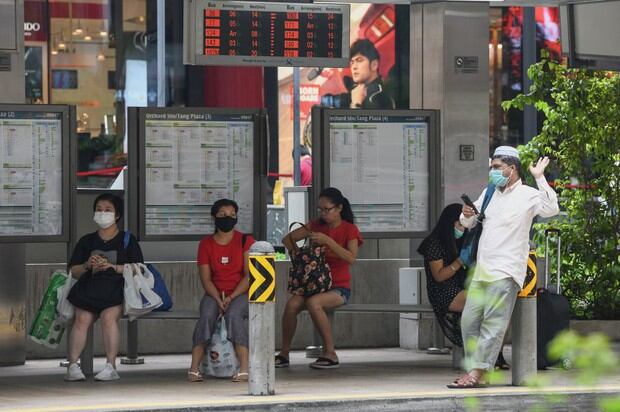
{"x":366,"y":83}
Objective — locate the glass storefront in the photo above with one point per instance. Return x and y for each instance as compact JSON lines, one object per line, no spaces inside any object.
{"x":100,"y":55}
{"x":505,"y":66}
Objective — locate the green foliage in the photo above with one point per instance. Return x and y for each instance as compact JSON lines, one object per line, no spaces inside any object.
{"x":593,"y":358}
{"x":581,"y":135}
{"x":591,"y":355}
{"x":610,"y":404}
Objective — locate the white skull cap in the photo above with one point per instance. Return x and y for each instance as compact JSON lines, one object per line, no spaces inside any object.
{"x":506,"y":151}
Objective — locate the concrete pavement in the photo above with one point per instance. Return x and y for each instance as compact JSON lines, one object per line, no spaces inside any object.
{"x":389,"y":379}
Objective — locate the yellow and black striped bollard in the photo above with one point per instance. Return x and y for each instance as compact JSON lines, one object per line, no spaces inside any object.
{"x":262,"y":308}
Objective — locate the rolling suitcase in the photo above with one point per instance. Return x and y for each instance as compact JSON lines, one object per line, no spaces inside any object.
{"x":552,"y":309}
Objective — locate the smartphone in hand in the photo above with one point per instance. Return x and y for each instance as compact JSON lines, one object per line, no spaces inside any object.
{"x":469,"y":203}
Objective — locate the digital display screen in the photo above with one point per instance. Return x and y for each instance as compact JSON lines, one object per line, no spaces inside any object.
{"x":271,"y":34}
{"x":64,"y":79}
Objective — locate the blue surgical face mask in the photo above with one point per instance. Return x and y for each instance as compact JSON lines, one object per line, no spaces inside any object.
{"x":497,"y":178}
{"x":458,"y":233}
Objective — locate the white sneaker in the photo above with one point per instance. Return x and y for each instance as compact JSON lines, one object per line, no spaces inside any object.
{"x":74,"y":373}
{"x":107,"y":374}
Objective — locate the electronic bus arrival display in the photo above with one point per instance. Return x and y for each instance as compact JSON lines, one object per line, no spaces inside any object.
{"x":382,"y":162}
{"x":188,"y":160}
{"x":34,"y":163}
{"x":270,"y":34}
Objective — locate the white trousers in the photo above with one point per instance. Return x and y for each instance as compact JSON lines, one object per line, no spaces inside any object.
{"x":485,"y":319}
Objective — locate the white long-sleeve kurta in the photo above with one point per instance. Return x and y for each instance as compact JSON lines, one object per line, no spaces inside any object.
{"x":504,"y":243}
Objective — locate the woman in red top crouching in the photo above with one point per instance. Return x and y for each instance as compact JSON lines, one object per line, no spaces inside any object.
{"x":223,"y":267}
{"x":335,"y":229}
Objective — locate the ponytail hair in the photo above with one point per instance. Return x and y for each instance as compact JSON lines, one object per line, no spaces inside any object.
{"x":335,"y":196}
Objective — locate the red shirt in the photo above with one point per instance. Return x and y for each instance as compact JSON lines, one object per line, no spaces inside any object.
{"x":225,"y":261}
{"x":345,"y":231}
{"x":306,"y":171}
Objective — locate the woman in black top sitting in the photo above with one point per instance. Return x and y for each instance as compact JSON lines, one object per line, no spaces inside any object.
{"x":446,"y":275}
{"x":97,"y":262}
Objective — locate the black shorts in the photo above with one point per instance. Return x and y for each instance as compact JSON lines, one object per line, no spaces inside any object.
{"x":96,"y":293}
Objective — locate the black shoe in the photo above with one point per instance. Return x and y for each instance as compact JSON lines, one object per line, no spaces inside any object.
{"x":501,"y":363}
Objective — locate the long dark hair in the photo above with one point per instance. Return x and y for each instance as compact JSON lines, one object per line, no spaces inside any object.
{"x":444,"y":232}
{"x":335,"y":196}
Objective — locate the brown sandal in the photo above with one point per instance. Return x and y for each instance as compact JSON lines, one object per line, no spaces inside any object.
{"x":240,"y":377}
{"x":194,"y":376}
{"x":467,"y":382}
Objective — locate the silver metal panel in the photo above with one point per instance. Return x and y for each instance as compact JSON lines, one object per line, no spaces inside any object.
{"x":596,"y":29}
{"x":450,"y":30}
{"x":466,"y":100}
{"x":13,"y":81}
{"x":9,"y":25}
{"x":12,"y":304}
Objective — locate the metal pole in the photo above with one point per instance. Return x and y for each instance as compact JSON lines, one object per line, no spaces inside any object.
{"x":261,"y":297}
{"x":161,"y":53}
{"x":524,"y":341}
{"x":530,"y":125}
{"x":296,"y":127}
{"x":132,"y":345}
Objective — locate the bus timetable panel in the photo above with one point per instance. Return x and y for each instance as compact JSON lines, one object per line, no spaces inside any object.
{"x":382,"y":162}
{"x":189,"y":158}
{"x":266,"y":34}
{"x":34,"y":173}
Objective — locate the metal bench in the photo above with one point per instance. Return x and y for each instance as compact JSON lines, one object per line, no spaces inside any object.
{"x":132,"y":357}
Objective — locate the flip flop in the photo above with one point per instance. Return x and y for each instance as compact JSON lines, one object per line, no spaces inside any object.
{"x":467,"y":382}
{"x":282,"y":362}
{"x":324,"y":363}
{"x":194,"y":376}
{"x":240,"y":377}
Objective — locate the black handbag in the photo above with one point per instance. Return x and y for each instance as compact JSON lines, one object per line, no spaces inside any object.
{"x":309,"y":273}
{"x":469,"y":250}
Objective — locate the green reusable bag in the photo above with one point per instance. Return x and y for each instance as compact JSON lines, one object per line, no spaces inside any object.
{"x":47,"y":328}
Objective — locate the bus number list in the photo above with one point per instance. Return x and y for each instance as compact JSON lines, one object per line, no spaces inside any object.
{"x":275,"y":34}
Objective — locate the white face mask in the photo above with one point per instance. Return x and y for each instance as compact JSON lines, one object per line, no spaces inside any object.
{"x":104,"y":219}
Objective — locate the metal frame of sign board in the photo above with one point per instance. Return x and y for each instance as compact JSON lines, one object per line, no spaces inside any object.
{"x":568,"y":37}
{"x":137,"y":164}
{"x":69,"y":169}
{"x":192,"y":44}
{"x":321,"y":155}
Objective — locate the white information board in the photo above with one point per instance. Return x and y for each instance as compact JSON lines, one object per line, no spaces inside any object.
{"x":190,"y":161}
{"x":381,"y":164}
{"x":31,"y":173}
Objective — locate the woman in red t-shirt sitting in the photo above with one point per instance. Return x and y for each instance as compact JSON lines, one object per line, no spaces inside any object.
{"x":223,"y":267}
{"x":335,"y":229}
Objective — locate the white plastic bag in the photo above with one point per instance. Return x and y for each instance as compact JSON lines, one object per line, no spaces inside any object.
{"x":65,"y":309}
{"x":221,"y":361}
{"x":138,"y":290}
